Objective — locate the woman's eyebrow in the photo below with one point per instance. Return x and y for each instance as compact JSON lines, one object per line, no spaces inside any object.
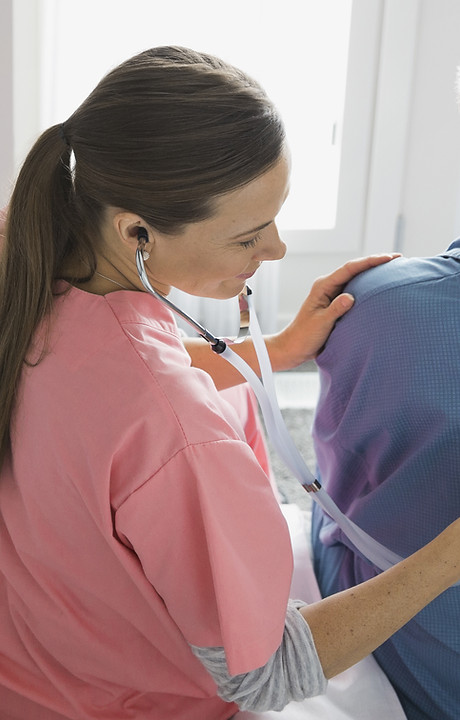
{"x":254,"y":230}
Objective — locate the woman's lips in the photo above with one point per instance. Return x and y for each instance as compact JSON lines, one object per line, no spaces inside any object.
{"x":246,"y":276}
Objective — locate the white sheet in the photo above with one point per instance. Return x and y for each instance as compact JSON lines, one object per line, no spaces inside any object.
{"x":360,"y":693}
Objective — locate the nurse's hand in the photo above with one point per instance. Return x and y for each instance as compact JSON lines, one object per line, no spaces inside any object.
{"x":306,"y":335}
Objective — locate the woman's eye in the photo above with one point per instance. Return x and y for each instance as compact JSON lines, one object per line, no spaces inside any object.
{"x":250,"y":243}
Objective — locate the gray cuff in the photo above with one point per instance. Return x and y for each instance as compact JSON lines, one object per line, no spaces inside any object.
{"x":294,"y":672}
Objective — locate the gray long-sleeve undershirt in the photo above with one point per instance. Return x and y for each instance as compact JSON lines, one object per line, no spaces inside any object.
{"x":294,"y":672}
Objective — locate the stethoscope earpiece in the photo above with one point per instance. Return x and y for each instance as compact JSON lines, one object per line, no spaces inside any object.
{"x":142,"y":235}
{"x":142,"y":240}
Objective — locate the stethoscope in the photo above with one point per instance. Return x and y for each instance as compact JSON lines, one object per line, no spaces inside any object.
{"x":264,"y":389}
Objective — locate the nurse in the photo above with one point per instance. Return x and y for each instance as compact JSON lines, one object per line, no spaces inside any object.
{"x":145,"y":564}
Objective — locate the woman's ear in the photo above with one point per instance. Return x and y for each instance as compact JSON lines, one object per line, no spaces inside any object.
{"x":127,"y":226}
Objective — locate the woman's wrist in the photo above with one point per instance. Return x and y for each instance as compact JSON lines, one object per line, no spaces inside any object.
{"x":285,"y":353}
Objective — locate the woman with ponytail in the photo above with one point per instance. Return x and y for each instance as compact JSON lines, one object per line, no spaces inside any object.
{"x":145,"y":565}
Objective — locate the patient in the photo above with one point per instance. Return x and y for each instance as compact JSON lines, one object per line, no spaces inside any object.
{"x":387,"y":423}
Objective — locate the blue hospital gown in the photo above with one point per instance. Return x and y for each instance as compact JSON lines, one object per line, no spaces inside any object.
{"x":387,"y":438}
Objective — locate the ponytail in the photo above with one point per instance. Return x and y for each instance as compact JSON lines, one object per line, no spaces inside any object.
{"x":39,"y":238}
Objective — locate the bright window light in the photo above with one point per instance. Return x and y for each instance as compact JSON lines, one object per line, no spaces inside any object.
{"x":297,"y":49}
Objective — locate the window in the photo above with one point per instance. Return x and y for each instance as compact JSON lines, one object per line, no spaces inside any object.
{"x":299,"y":55}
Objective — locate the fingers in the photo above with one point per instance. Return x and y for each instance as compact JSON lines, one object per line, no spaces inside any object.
{"x":305,"y":336}
{"x":316,"y":325}
{"x":341,"y":305}
{"x":335,"y":310}
{"x":336,"y":280}
{"x":354,"y":267}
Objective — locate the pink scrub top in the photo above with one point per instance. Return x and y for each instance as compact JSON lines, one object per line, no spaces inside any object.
{"x":135,"y":520}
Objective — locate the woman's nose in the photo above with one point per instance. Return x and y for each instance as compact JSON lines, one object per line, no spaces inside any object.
{"x":271,"y":247}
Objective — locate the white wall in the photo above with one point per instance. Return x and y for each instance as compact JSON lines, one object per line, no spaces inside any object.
{"x":430,"y":200}
{"x":20,"y":69}
{"x":6,"y":94}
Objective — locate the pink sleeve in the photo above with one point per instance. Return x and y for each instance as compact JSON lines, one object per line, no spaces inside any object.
{"x":214,"y":545}
{"x":243,"y":399}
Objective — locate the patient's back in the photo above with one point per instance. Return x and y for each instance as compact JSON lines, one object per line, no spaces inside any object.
{"x":386,"y":435}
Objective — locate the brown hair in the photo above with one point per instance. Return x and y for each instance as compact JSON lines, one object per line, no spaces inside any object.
{"x":162,"y":135}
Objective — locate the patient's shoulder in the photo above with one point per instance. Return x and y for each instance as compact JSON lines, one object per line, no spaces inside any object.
{"x":403,"y":275}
